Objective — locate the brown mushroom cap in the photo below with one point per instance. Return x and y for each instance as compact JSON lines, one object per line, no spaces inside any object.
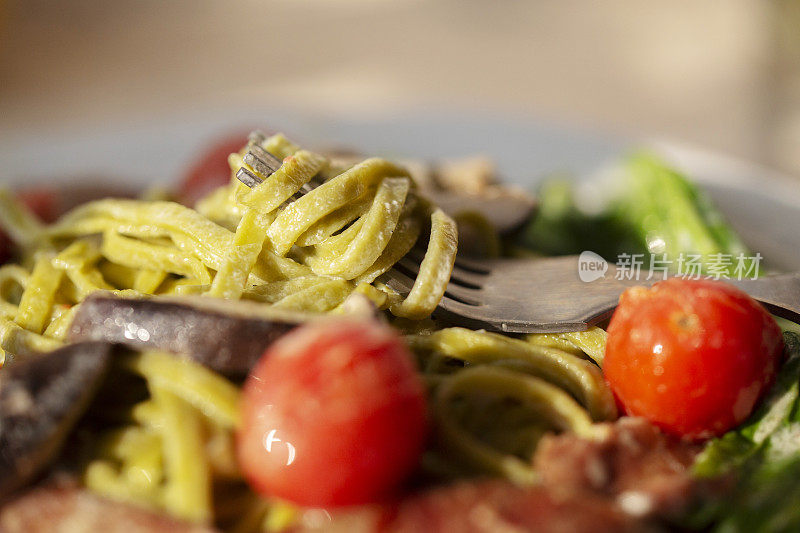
{"x":41,"y":400}
{"x":226,"y":336}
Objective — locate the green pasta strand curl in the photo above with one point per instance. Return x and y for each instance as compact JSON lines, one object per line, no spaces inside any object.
{"x":552,"y":405}
{"x":310,"y":235}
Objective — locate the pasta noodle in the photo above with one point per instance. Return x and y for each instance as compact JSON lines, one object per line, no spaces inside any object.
{"x":305,"y":253}
{"x":188,"y":408}
{"x":306,"y":237}
{"x":519,"y":388}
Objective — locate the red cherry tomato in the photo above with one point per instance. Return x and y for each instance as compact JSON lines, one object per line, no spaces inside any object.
{"x":333,"y":414}
{"x":210,"y":171}
{"x":42,"y":202}
{"x":692,"y":356}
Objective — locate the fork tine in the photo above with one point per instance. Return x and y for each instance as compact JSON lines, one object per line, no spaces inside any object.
{"x":248,"y":178}
{"x":472,"y":265}
{"x":409,"y":265}
{"x":463,"y":294}
{"x":398,"y":281}
{"x":458,"y":292}
{"x":467,"y":278}
{"x":257,"y":137}
{"x":264,"y":163}
{"x":257,"y":151}
{"x":264,"y":166}
{"x":455,"y":312}
{"x":416,"y":253}
{"x":310,"y":186}
{"x":455,"y":306}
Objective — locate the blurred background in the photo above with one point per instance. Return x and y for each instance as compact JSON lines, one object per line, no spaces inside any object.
{"x":722,"y":75}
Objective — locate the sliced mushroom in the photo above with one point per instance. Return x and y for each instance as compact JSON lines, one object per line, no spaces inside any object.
{"x":462,"y":185}
{"x":505,"y":208}
{"x":226,"y":336}
{"x":41,"y":400}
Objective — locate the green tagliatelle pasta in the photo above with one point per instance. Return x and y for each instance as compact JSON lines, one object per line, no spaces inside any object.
{"x":495,"y":396}
{"x":179,"y":441}
{"x":307,"y":237}
{"x":265,"y":244}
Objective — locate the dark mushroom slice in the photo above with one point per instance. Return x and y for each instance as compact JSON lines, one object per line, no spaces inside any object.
{"x":226,"y":336}
{"x":507,"y":210}
{"x":41,"y":400}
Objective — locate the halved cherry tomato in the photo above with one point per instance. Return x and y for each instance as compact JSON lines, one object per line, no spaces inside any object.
{"x":692,"y":356}
{"x":333,"y":414}
{"x":209,"y":171}
{"x":42,"y":202}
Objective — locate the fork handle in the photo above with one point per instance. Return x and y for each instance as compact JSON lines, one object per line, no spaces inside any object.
{"x":780,"y":293}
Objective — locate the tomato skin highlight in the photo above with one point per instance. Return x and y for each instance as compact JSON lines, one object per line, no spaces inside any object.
{"x":692,"y":356}
{"x":349,"y":410}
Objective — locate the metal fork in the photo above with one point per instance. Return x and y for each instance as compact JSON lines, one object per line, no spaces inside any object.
{"x":264,"y":163}
{"x":547,"y":295}
{"x":507,"y":213}
{"x":540,"y":295}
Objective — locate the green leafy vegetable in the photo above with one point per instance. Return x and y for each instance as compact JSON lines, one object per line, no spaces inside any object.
{"x":562,"y":228}
{"x":656,"y":211}
{"x":671,"y":215}
{"x":767,"y":502}
{"x":764,"y":454}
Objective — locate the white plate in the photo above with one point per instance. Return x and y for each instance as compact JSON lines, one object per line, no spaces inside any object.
{"x":762,"y":205}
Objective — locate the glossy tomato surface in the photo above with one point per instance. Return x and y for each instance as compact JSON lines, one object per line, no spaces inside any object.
{"x":692,"y":356}
{"x":333,"y":414}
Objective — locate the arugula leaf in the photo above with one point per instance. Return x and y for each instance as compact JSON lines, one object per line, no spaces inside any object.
{"x":765,"y":427}
{"x":768,"y":502}
{"x":777,"y":407}
{"x":765,"y":454}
